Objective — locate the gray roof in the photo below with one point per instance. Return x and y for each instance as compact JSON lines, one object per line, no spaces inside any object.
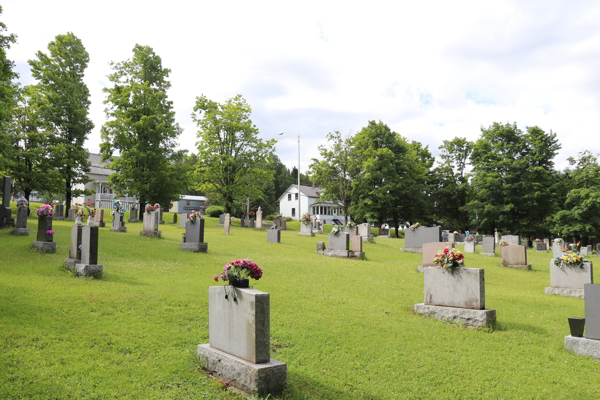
{"x":99,"y":167}
{"x":308,"y":191}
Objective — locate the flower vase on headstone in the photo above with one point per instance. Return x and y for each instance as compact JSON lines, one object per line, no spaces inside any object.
{"x":44,"y":238}
{"x":194,"y":236}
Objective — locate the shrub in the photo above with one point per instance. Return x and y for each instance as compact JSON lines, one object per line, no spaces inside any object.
{"x":289,"y":219}
{"x":214,"y":211}
{"x":270,"y":217}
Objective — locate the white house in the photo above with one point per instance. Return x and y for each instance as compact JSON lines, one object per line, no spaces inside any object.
{"x":325,"y":211}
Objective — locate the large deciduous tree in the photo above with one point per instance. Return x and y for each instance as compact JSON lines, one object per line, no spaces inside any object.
{"x":232,"y":159}
{"x":332,"y":171}
{"x":8,"y":94}
{"x":142,"y":128}
{"x":513,"y":179}
{"x":64,"y":108}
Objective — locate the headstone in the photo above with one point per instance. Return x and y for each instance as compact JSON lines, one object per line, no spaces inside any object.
{"x":557,"y":248}
{"x":444,"y":236}
{"x":89,"y":253}
{"x":226,"y":223}
{"x":470,"y":247}
{"x":162,"y":219}
{"x":415,"y":238}
{"x":339,"y":241}
{"x":280,"y":223}
{"x":460,"y":237}
{"x":597,"y":249}
{"x":430,"y":251}
{"x":239,"y":341}
{"x":514,"y":256}
{"x":497,"y":236}
{"x":72,"y":214}
{"x":118,"y":222}
{"x":320,"y":247}
{"x":547,"y":243}
{"x":569,"y":280}
{"x":174,"y":218}
{"x":182,"y":220}
{"x":133,"y":215}
{"x":512,"y":239}
{"x":151,"y":219}
{"x":221,"y":220}
{"x":98,"y":219}
{"x":525,"y":243}
{"x":489,"y":246}
{"x":44,"y":225}
{"x":5,"y":215}
{"x":194,"y":237}
{"x":76,"y":237}
{"x":306,"y":229}
{"x":357,"y":244}
{"x":274,"y":235}
{"x":59,"y":212}
{"x":452,"y":238}
{"x":592,"y":310}
{"x":456,"y":296}
{"x":364,"y":230}
{"x":259,"y":216}
{"x":585,"y":250}
{"x":540,"y":246}
{"x":21,"y":229}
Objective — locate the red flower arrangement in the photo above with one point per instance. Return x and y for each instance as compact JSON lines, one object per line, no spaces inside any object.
{"x":240,"y":269}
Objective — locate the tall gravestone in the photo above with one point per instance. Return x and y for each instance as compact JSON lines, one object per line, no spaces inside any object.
{"x":182,"y":220}
{"x":489,"y":246}
{"x":585,"y":250}
{"x":557,"y":246}
{"x":151,"y":219}
{"x":470,"y":246}
{"x":540,"y":246}
{"x":118,"y":222}
{"x":72,"y":216}
{"x":75,"y":248}
{"x":44,"y":242}
{"x":456,"y":296}
{"x":597,"y":249}
{"x":259,"y":216}
{"x":364,"y":230}
{"x":174,"y":221}
{"x":194,"y":237}
{"x":21,"y":229}
{"x":274,"y":235}
{"x":89,"y":253}
{"x":98,"y":219}
{"x":588,"y":345}
{"x":133,"y":215}
{"x":162,"y":220}
{"x":221,"y":220}
{"x":5,"y":210}
{"x":226,"y":223}
{"x":414,"y":238}
{"x":59,"y":212}
{"x":239,"y":341}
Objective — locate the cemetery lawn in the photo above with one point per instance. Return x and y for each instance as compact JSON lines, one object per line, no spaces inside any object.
{"x":345,"y":328}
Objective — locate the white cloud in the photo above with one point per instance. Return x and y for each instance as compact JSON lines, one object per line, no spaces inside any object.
{"x":430,"y":70}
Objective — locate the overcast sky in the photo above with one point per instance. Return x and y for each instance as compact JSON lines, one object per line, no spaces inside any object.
{"x":431,"y":70}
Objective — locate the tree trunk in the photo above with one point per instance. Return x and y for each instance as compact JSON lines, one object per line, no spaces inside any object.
{"x":27,"y":193}
{"x":142,"y":208}
{"x":68,"y":196}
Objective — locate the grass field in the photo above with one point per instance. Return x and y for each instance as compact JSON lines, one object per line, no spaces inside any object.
{"x":345,"y":328}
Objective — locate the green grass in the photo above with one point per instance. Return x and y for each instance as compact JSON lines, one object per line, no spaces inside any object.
{"x":345,"y":328}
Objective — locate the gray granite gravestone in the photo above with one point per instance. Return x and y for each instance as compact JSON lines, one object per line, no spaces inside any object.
{"x":118,"y":223}
{"x":194,"y":237}
{"x":568,"y":280}
{"x":89,"y":253}
{"x":514,"y":256}
{"x":182,"y":220}
{"x":512,"y":239}
{"x":151,"y":224}
{"x":274,"y":235}
{"x":557,"y":247}
{"x":21,"y":229}
{"x":470,"y":247}
{"x":540,"y":246}
{"x":306,"y":229}
{"x":364,"y":230}
{"x":72,"y":215}
{"x":415,"y":238}
{"x":320,"y":247}
{"x":489,"y":246}
{"x":259,"y":218}
{"x":59,"y":212}
{"x":221,"y":220}
{"x":430,"y":251}
{"x":133,"y":215}
{"x":585,"y":250}
{"x":75,"y":248}
{"x":98,"y":219}
{"x":162,"y":217}
{"x":338,"y":245}
{"x":592,"y":310}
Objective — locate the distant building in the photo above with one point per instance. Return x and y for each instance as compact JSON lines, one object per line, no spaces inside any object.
{"x":187,"y":204}
{"x":325,"y":211}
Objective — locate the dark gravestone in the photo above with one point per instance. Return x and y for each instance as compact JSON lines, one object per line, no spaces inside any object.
{"x":194,"y":231}
{"x":415,"y":238}
{"x":22,"y":217}
{"x":89,"y":248}
{"x":174,"y":218}
{"x":592,"y":310}
{"x":59,"y":211}
{"x":5,"y":213}
{"x":44,"y":224}
{"x":540,"y":246}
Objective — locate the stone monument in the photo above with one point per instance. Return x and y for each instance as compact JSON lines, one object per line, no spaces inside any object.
{"x":259,"y":217}
{"x":151,"y":219}
{"x":21,"y":229}
{"x":226,"y":223}
{"x":306,"y":229}
{"x":489,"y":246}
{"x":414,"y":238}
{"x":133,"y":214}
{"x":44,"y":240}
{"x":118,"y":222}
{"x":98,"y":219}
{"x":194,"y":236}
{"x":514,"y":256}
{"x":274,"y":235}
{"x":588,"y":345}
{"x":569,"y":280}
{"x":75,"y":248}
{"x":89,"y":253}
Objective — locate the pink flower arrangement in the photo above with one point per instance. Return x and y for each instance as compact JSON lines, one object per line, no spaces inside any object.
{"x":240,"y":269}
{"x":45,"y":211}
{"x":150,"y":208}
{"x":193,"y":216}
{"x":50,"y":232}
{"x":449,"y":258}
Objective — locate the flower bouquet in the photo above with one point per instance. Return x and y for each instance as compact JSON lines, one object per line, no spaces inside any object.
{"x":237,"y":272}
{"x":45,"y":211}
{"x":537,"y":240}
{"x":571,"y":259}
{"x":469,"y":238}
{"x":449,"y":258}
{"x":193,"y":216}
{"x":335,"y":229}
{"x":502,"y":243}
{"x":22,"y":203}
{"x":118,"y":208}
{"x":306,"y":219}
{"x":150,"y":208}
{"x":415,"y":226}
{"x":351,"y":224}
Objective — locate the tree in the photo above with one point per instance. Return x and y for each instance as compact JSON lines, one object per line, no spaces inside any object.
{"x":8,"y":93}
{"x":64,"y":107}
{"x":31,"y":162}
{"x":513,"y":179}
{"x":332,"y":171}
{"x":580,"y":217}
{"x":142,"y":128}
{"x":452,"y":189}
{"x":232,"y":158}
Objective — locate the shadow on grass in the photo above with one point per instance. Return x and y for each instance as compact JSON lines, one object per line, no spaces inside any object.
{"x":517,"y":326}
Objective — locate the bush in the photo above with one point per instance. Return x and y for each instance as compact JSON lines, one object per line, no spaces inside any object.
{"x":289,"y":219}
{"x":270,"y":217}
{"x":214,"y":211}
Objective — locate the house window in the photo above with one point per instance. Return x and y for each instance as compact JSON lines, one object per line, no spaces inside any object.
{"x":296,"y":196}
{"x":293,"y":212}
{"x":289,"y":197}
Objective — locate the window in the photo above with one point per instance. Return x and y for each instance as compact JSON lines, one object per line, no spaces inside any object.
{"x":293,"y":212}
{"x":296,"y":196}
{"x":289,"y":197}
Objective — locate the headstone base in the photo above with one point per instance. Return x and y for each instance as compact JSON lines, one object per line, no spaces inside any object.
{"x":120,"y":229}
{"x":412,"y":249}
{"x":133,"y":220}
{"x":98,"y":224}
{"x":488,"y":254}
{"x":312,"y":234}
{"x":89,"y":270}
{"x":360,"y":255}
{"x":196,"y":247}
{"x":44,"y":247}
{"x":577,"y":293}
{"x":262,"y":379}
{"x":70,"y":263}
{"x":583,"y":346}
{"x":58,"y":218}
{"x":465,"y":316}
{"x":151,"y":234}
{"x":526,"y":267}
{"x":20,"y":231}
